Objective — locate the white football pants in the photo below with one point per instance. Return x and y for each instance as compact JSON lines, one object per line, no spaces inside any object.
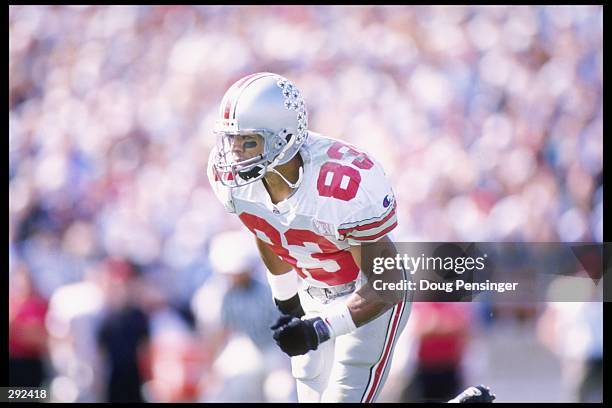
{"x":352,"y":367}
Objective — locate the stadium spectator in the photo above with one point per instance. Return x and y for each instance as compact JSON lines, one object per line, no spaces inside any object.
{"x":27,"y":333}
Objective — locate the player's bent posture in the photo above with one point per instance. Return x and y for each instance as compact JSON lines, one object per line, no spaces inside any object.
{"x":311,"y":201}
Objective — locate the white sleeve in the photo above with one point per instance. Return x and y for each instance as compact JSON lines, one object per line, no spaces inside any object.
{"x":223,"y":193}
{"x":374,"y":213}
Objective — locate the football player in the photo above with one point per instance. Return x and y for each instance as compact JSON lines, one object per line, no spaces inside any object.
{"x":311,"y":201}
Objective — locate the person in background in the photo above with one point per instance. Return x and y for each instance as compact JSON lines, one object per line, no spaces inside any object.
{"x":27,"y":332}
{"x":441,"y":330}
{"x":573,"y":331}
{"x":123,"y":336}
{"x":176,"y":356}
{"x":234,"y":310}
{"x":75,"y":313}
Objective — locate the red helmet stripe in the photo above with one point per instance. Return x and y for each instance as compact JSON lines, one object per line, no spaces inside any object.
{"x":231,"y":99}
{"x":227,"y":109}
{"x":231,"y":96}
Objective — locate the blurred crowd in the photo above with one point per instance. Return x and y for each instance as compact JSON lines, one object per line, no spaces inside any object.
{"x":487,"y":119}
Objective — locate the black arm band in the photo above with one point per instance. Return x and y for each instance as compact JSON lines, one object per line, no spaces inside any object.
{"x":291,"y":306}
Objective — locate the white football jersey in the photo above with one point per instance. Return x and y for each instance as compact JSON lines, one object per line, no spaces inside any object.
{"x":344,"y":199}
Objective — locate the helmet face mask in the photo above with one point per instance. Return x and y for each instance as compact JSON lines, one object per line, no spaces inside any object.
{"x":264,"y":106}
{"x":235,"y":171}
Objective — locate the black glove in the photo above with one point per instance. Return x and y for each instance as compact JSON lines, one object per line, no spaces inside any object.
{"x":291,"y":306}
{"x":479,"y":393}
{"x":295,"y":336}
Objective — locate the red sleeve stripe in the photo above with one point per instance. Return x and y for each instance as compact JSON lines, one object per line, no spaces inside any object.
{"x":350,"y":225}
{"x":370,"y":225}
{"x":370,"y":232}
{"x":380,"y":234}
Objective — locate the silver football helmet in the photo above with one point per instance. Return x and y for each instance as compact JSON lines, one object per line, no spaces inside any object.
{"x":263,"y":104}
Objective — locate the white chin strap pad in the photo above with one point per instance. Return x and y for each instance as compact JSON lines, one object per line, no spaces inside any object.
{"x":291,"y":185}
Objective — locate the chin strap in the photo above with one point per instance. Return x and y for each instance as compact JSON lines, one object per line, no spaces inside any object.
{"x":291,"y":185}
